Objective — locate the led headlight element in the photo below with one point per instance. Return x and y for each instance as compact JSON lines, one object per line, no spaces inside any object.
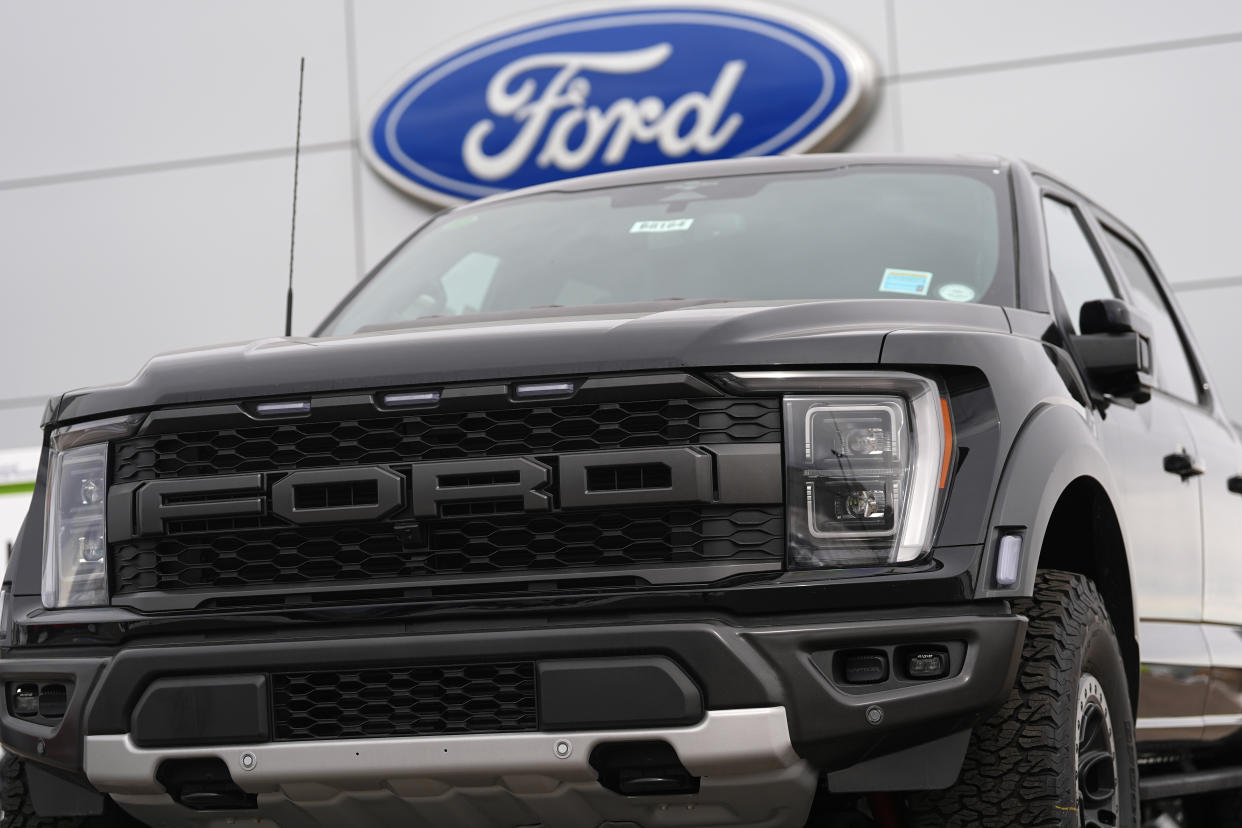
{"x":864,"y":470}
{"x":74,"y":561}
{"x":853,"y":464}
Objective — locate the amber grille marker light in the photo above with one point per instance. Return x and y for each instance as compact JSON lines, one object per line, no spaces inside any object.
{"x":948,"y":442}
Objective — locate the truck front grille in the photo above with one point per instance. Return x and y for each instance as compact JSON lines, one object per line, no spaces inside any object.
{"x":404,"y":701}
{"x":230,"y":448}
{"x":487,"y":545}
{"x":634,"y":481}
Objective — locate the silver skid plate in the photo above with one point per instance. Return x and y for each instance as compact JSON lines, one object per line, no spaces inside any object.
{"x":750,"y":776}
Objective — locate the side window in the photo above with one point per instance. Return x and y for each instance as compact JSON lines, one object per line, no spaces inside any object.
{"x":1075,"y":267}
{"x":1171,"y":362}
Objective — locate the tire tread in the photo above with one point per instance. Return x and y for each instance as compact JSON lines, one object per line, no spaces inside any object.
{"x":19,"y":810}
{"x":1014,"y":768}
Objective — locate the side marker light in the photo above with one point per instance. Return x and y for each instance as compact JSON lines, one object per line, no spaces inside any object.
{"x":1008,"y":554}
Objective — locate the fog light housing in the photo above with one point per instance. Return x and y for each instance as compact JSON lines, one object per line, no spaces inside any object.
{"x":864,"y":667}
{"x":26,"y":700}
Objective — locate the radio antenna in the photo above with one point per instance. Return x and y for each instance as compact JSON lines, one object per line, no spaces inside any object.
{"x":293,"y":224}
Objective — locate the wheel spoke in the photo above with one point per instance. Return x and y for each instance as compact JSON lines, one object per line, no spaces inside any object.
{"x":1097,"y":776}
{"x":1098,"y":796}
{"x":1099,"y":818}
{"x":1090,"y":731}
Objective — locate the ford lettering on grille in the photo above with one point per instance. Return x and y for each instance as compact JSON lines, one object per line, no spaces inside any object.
{"x":612,"y":90}
{"x":599,"y":479}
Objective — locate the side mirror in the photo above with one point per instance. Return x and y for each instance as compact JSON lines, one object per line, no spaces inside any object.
{"x":1115,"y":349}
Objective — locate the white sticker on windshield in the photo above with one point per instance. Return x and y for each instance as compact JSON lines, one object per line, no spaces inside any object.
{"x":954,"y":292}
{"x":666,"y":226}
{"x":905,"y":281}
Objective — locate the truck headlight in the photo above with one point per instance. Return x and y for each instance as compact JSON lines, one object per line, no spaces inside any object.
{"x":75,"y":560}
{"x":865,"y":465}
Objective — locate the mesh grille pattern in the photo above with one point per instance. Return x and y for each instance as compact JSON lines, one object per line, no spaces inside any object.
{"x":484,"y":545}
{"x":448,"y":435}
{"x":405,"y":701}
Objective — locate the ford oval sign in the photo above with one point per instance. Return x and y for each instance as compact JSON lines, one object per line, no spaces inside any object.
{"x":611,"y":90}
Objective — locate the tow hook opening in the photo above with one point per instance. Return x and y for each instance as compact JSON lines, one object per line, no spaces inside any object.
{"x":203,"y":784}
{"x":642,"y":769}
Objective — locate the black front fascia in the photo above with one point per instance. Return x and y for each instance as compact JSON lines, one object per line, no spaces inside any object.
{"x":947,"y":577}
{"x":735,"y":663}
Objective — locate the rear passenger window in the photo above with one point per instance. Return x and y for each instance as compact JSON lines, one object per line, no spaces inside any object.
{"x":1173,"y":371}
{"x":1075,"y":267}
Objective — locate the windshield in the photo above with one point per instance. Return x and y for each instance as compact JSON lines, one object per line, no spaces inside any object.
{"x":939,"y":233}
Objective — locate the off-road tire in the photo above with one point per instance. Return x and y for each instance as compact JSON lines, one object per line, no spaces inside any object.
{"x":1021,"y":768}
{"x":19,"y":810}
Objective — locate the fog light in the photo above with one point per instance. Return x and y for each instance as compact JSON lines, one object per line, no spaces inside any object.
{"x":927,"y":665}
{"x":26,"y":700}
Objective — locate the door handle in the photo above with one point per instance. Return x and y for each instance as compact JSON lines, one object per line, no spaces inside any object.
{"x":1183,"y":465}
{"x":1235,"y":484}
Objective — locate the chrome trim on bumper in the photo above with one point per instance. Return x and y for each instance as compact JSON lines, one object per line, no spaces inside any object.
{"x":751,"y":776}
{"x":725,"y":742}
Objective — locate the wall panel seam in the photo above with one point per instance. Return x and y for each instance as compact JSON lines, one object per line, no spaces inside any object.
{"x":1066,"y":57}
{"x":170,"y":166}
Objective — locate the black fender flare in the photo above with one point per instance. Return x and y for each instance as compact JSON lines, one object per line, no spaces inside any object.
{"x":1055,"y":447}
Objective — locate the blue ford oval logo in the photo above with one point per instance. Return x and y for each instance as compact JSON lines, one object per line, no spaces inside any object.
{"x":613,"y":90}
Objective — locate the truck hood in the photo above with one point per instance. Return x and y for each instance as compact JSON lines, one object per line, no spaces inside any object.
{"x":534,"y":343}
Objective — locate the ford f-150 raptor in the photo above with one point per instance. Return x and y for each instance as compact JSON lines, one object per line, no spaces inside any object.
{"x":755,"y":493}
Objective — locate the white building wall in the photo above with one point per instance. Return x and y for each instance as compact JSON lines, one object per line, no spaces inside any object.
{"x":146,"y":153}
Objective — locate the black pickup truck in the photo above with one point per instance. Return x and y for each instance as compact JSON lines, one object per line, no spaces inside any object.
{"x":827,"y":490}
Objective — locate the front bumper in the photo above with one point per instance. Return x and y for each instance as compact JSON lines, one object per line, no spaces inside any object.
{"x":750,"y":776}
{"x":773,"y":713}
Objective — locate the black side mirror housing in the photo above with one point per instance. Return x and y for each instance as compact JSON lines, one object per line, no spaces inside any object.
{"x":1115,"y":349}
{"x":1107,"y":316}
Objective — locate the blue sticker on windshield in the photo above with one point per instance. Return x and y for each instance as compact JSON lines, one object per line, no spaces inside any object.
{"x":905,"y":281}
